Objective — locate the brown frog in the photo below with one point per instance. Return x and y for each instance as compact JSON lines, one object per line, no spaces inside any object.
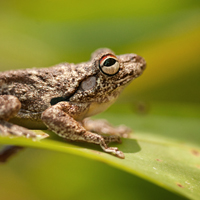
{"x":61,"y":97}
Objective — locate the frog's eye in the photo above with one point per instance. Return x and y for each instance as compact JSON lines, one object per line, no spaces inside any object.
{"x":109,"y":65}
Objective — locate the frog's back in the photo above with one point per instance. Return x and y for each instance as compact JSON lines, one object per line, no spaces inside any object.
{"x":36,"y":87}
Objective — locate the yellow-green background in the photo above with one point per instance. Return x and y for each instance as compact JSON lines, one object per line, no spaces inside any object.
{"x":42,"y":33}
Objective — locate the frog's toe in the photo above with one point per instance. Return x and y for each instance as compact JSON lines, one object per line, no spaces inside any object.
{"x":114,"y":151}
{"x":120,"y":154}
{"x":9,"y":129}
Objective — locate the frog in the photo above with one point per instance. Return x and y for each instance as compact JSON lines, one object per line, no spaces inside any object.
{"x":62,"y":98}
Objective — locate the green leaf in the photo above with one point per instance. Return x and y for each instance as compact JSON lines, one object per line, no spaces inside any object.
{"x":170,"y":162}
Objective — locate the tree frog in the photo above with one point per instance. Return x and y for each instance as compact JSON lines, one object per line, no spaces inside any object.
{"x":62,"y":97}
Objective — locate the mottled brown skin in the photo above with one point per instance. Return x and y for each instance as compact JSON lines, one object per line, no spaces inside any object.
{"x":62,"y":96}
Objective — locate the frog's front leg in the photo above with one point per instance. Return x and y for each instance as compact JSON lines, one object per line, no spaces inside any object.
{"x":60,"y":118}
{"x":102,"y":126}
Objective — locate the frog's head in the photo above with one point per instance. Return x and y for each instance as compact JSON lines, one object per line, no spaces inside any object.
{"x":108,"y":75}
{"x":121,"y":69}
{"x":117,"y":71}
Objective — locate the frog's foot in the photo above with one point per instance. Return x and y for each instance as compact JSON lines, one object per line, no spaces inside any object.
{"x":102,"y":126}
{"x":9,"y":129}
{"x":115,"y":151}
{"x":98,"y":139}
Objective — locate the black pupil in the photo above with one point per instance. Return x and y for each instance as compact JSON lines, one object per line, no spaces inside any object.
{"x":109,"y":62}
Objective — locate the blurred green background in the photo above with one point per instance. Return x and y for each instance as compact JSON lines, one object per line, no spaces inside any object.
{"x":42,"y":33}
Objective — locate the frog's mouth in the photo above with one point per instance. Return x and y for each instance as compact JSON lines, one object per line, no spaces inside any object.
{"x":125,"y":80}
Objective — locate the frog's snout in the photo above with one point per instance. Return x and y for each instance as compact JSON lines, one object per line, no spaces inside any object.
{"x":142,"y":62}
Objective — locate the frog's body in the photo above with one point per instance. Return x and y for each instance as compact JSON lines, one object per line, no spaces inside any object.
{"x":76,"y":91}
